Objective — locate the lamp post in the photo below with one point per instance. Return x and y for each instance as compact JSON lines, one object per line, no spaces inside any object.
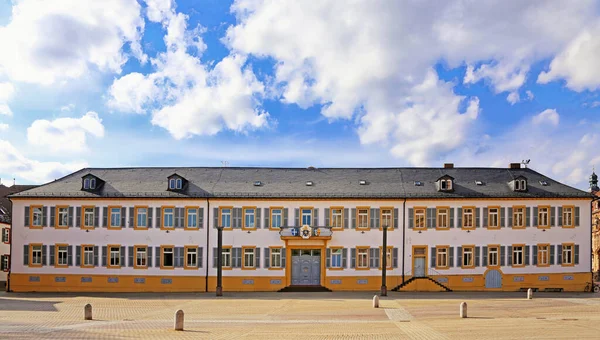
{"x":219,"y":260}
{"x":384,"y":263}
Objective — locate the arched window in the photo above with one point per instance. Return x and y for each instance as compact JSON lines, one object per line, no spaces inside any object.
{"x":523,"y":184}
{"x":449,"y":185}
{"x":92,"y":183}
{"x":86,"y":183}
{"x":178,"y":183}
{"x":172,"y":184}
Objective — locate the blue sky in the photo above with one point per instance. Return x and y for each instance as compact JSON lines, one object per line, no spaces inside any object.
{"x":287,"y":83}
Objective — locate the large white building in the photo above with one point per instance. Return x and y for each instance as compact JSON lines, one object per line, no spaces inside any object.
{"x":153,"y":229}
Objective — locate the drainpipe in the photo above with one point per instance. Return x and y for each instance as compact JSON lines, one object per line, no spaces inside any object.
{"x":207,"y":243}
{"x":594,"y":199}
{"x":403,"y":235}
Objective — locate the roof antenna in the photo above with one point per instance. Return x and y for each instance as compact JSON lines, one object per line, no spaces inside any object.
{"x":525,"y":162}
{"x":224,"y":164}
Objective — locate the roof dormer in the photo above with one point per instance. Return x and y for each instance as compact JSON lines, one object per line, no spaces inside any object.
{"x":90,"y":182}
{"x":519,"y":184}
{"x":445,"y":183}
{"x":176,"y":183}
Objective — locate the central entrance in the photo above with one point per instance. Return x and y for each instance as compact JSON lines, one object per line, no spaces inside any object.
{"x":306,"y":267}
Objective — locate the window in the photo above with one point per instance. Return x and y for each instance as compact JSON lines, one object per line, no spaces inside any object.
{"x":520,"y":185}
{"x":337,"y":218}
{"x":567,"y":255}
{"x":523,"y":184}
{"x":141,"y":257}
{"x":88,"y":217}
{"x":226,"y":217}
{"x":88,"y":256}
{"x":191,"y":257}
{"x":226,"y":253}
{"x":115,"y":256}
{"x":493,"y":256}
{"x":387,"y":217}
{"x":543,"y":219}
{"x":172,"y":184}
{"x":5,"y":262}
{"x":441,"y":257}
{"x":62,"y":217}
{"x":467,"y":255}
{"x":388,"y":260}
{"x":248,"y":257}
{"x":249,"y":218}
{"x":192,"y":217}
{"x":36,"y":255}
{"x":336,"y":257}
{"x":518,"y":217}
{"x":567,"y":216}
{"x":362,"y":218}
{"x":517,"y":185}
{"x":168,"y":260}
{"x":306,"y":215}
{"x":276,"y":257}
{"x":468,"y":218}
{"x":518,"y":258}
{"x":543,"y":255}
{"x":168,"y":217}
{"x":446,"y":184}
{"x":362,"y":258}
{"x":419,"y":218}
{"x":5,"y":235}
{"x":92,"y":183}
{"x":36,"y":216}
{"x":276,"y":217}
{"x":62,"y":256}
{"x":115,"y":217}
{"x":493,"y":217}
{"x":141,"y":217}
{"x":178,"y":183}
{"x":86,"y":183}
{"x":442,"y":218}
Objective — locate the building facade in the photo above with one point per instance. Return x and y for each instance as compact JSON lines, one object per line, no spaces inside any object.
{"x":154,"y":229}
{"x":595,"y":226}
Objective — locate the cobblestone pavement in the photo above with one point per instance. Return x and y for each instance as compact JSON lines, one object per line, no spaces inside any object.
{"x":301,"y":316}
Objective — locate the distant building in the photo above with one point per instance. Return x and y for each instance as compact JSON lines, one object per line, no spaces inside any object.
{"x":5,"y":222}
{"x":595,"y":226}
{"x":154,"y":229}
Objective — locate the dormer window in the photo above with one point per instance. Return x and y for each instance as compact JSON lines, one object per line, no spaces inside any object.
{"x":172,"y":184}
{"x":520,"y":184}
{"x":445,"y":183}
{"x":86,"y":183}
{"x":176,"y":182}
{"x":91,"y":182}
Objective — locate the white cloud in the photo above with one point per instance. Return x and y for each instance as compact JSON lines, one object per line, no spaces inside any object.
{"x":159,"y":10}
{"x":65,"y":134}
{"x":548,"y":116}
{"x":7,"y":91}
{"x":513,"y":97}
{"x":530,"y":95}
{"x":54,"y":40}
{"x":578,"y":63}
{"x":3,"y":127}
{"x":5,"y":110}
{"x":67,"y":108}
{"x":187,"y":97}
{"x":14,"y":164}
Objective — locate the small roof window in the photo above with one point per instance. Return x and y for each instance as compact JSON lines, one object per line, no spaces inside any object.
{"x":478,"y":183}
{"x":176,"y":182}
{"x":544,"y":183}
{"x":362,"y":182}
{"x":309,"y":183}
{"x":418,"y":183}
{"x":445,"y":183}
{"x":90,"y":183}
{"x":257,"y":183}
{"x":519,"y":184}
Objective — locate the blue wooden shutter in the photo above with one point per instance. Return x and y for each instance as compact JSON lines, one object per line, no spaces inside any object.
{"x":26,"y":217}
{"x":257,"y":257}
{"x":216,"y":217}
{"x":552,"y":251}
{"x":552,"y":216}
{"x":157,"y":255}
{"x":459,"y":218}
{"x":122,"y":257}
{"x":526,"y":255}
{"x":502,"y":256}
{"x":158,"y":223}
{"x":315,"y":221}
{"x":477,"y":256}
{"x":395,"y":257}
{"x":52,"y":255}
{"x":345,"y":257}
{"x":150,"y":213}
{"x":377,"y":214}
{"x":510,"y":255}
{"x":78,"y":217}
{"x":576,"y":254}
{"x":123,"y":217}
{"x":328,"y":257}
{"x":502,"y":217}
{"x":411,"y":218}
{"x":346,"y":218}
{"x":200,"y":257}
{"x":297,"y":217}
{"x":485,"y":217}
{"x":215,"y":257}
{"x":200,"y":217}
{"x":104,"y":216}
{"x":560,"y":217}
{"x":451,"y":257}
{"x":352,"y":257}
{"x":96,"y":217}
{"x":484,"y":255}
{"x":459,"y":256}
{"x":577,"y":216}
{"x":510,"y":217}
{"x":451,"y":217}
{"x":433,"y":264}
{"x":44,"y":217}
{"x":559,"y":254}
{"x":52,"y":216}
{"x":258,"y":219}
{"x":26,"y":254}
{"x":96,"y":256}
{"x":176,"y":215}
{"x":104,"y":250}
{"x":535,"y":255}
{"x":283,"y":257}
{"x":69,"y":255}
{"x":353,"y":219}
{"x":267,"y":257}
{"x":267,"y":218}
{"x":44,"y":262}
{"x":78,"y":256}
{"x":149,"y":256}
{"x":396,"y":218}
{"x":285,"y":217}
{"x":477,"y":217}
{"x":131,"y":213}
{"x":327,"y":213}
{"x":131,"y":256}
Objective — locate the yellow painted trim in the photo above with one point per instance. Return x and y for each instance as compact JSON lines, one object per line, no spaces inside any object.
{"x":271,"y":258}
{"x":572,"y":207}
{"x":498,"y":258}
{"x":88,"y":227}
{"x":271,"y":218}
{"x":472,"y":246}
{"x":56,"y":265}
{"x":186,"y":218}
{"x":474,"y":219}
{"x":230,"y":217}
{"x":513,"y":265}
{"x":31,"y":245}
{"x":514,"y":208}
{"x":437,"y":248}
{"x":415,"y":226}
{"x":499,"y":220}
{"x":437,"y":218}
{"x":332,"y":249}
{"x":244,"y":257}
{"x":31,"y":208}
{"x":549,"y":215}
{"x":244,"y":227}
{"x":185,"y":259}
{"x":108,"y":246}
{"x":162,"y":257}
{"x":82,"y":259}
{"x":563,"y":264}
{"x":56,"y":217}
{"x":341,"y":227}
{"x":135,"y":251}
{"x":109,"y":217}
{"x":358,"y":228}
{"x":162,"y":217}
{"x":425,"y":255}
{"x":135,"y":217}
{"x":539,"y":254}
{"x":391,"y":226}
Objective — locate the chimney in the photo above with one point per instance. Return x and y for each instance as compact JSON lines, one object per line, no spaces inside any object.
{"x":514,"y":166}
{"x":448,"y":165}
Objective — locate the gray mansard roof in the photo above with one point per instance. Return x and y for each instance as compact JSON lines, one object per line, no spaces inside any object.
{"x":291,"y":182}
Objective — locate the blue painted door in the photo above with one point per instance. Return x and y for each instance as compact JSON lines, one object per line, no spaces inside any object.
{"x":493,"y":279}
{"x":306,"y":269}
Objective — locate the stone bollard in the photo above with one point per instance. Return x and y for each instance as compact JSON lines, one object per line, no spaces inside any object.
{"x":179,"y":320}
{"x":463,"y":310}
{"x":87,"y":312}
{"x":375,"y":301}
{"x":529,"y":294}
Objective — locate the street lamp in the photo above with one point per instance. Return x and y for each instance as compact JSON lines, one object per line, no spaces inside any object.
{"x":384,"y":262}
{"x":219,"y":260}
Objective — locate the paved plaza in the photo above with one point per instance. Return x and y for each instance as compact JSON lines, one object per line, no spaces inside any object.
{"x":301,"y":316}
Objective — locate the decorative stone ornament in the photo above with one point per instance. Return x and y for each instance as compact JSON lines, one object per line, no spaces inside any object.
{"x":305,"y":232}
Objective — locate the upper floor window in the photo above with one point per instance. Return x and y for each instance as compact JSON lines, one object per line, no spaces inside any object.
{"x":337,"y":216}
{"x":468,"y":220}
{"x":362,"y":218}
{"x":36,"y":213}
{"x":419,"y":218}
{"x":276,"y":218}
{"x":386,"y":218}
{"x":192,"y":218}
{"x":493,"y":220}
{"x":168,"y":219}
{"x":543,"y":218}
{"x":442,"y":218}
{"x":306,"y":216}
{"x":249,"y":218}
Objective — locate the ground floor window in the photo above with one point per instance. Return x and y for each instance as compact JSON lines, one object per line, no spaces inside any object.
{"x":468,"y":257}
{"x":191,"y":258}
{"x":517,"y":256}
{"x":441,"y":258}
{"x":276,"y":257}
{"x":249,"y":258}
{"x":115,"y":256}
{"x":543,"y":255}
{"x":167,"y":257}
{"x":362,"y":260}
{"x":141,"y":256}
{"x":88,"y":255}
{"x":62,"y":256}
{"x":492,"y":256}
{"x":36,"y":255}
{"x":567,"y":254}
{"x":226,"y":252}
